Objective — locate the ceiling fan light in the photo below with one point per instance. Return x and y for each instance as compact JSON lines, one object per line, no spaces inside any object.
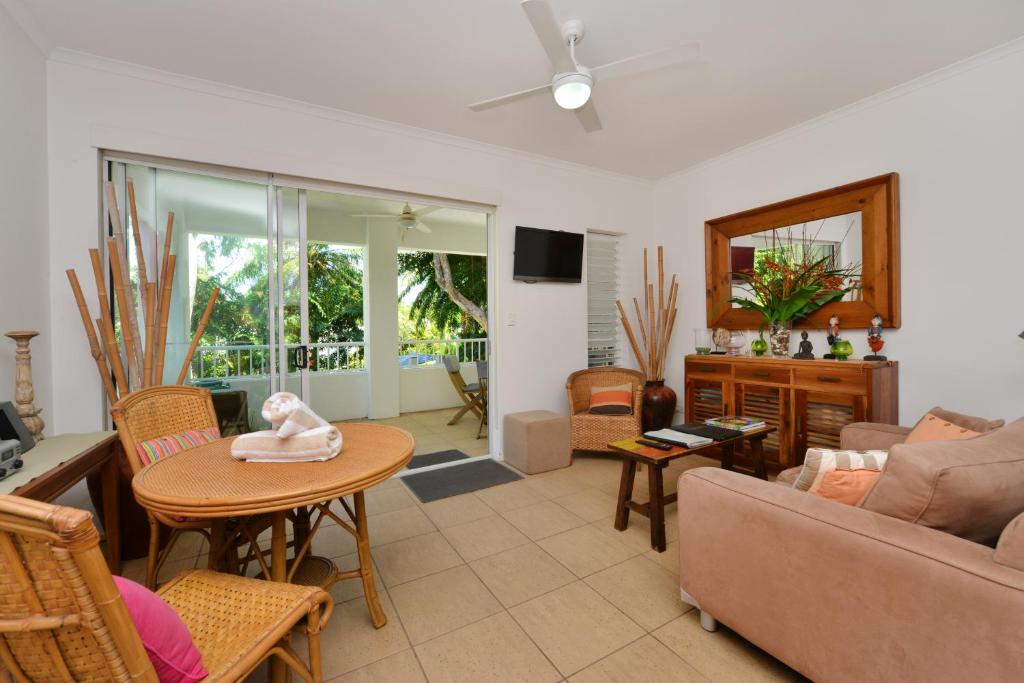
{"x":572,"y":90}
{"x":407,"y":222}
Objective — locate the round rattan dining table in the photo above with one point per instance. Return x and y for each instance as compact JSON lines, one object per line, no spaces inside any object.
{"x":206,"y":482}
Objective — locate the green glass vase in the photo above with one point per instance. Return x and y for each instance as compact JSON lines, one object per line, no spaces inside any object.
{"x":842,"y":349}
{"x":759,"y":347}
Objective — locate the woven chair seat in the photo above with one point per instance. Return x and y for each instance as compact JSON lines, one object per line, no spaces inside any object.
{"x":230,"y":616}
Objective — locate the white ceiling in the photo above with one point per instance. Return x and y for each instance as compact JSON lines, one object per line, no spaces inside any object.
{"x":767,"y":65}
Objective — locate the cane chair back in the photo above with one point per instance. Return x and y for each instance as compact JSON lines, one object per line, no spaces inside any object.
{"x":594,"y":432}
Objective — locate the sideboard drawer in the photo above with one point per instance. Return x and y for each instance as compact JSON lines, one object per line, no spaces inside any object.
{"x":708,"y":370}
{"x":831,"y":379}
{"x":763,"y":374}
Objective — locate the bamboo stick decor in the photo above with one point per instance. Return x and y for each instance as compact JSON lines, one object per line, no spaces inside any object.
{"x":143,"y":363}
{"x":655,"y":321}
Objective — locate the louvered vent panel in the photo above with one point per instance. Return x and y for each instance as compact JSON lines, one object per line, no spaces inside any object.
{"x":764,"y":403}
{"x":707,"y":401}
{"x":824,"y":422}
{"x":602,"y":290}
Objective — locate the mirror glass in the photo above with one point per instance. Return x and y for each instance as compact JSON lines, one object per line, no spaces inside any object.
{"x":837,"y":238}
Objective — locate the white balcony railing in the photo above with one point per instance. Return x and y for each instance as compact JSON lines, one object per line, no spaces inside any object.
{"x":253,"y":360}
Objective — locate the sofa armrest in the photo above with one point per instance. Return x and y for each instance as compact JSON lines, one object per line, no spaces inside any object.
{"x":804,"y":578}
{"x":1010,"y":550}
{"x":871,"y":436}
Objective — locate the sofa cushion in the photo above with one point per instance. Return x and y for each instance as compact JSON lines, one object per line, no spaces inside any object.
{"x":616,"y":400}
{"x":788,"y":476}
{"x":931,"y":427}
{"x":1010,"y":549}
{"x":846,"y":486}
{"x":975,"y":424}
{"x":820,"y":461}
{"x":970,"y":488}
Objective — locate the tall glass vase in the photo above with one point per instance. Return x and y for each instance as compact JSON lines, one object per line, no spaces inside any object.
{"x":779,"y":336}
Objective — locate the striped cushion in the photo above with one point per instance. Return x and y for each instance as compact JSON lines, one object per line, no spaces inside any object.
{"x":163,"y":446}
{"x":615,"y":400}
{"x":820,"y":461}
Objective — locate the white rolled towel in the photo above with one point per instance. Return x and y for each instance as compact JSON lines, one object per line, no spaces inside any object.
{"x":289,"y":415}
{"x":320,"y":443}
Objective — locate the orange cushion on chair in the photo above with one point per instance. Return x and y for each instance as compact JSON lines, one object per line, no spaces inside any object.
{"x":616,"y":400}
{"x":163,"y":446}
{"x":846,"y":486}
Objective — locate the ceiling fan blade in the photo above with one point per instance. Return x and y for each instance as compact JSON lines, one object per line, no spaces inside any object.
{"x":374,"y":215}
{"x":587,"y":116}
{"x":422,"y":227}
{"x":549,"y":33}
{"x":426,"y":211}
{"x":511,"y":97}
{"x":649,"y":61}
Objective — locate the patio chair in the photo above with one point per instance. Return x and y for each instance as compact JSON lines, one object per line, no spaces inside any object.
{"x":63,"y":619}
{"x":483,"y":378}
{"x":594,"y":432}
{"x":469,"y":393}
{"x":162,"y":411}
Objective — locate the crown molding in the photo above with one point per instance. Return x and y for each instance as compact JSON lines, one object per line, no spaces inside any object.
{"x":216,"y":89}
{"x":929,"y":79}
{"x":28,"y":25}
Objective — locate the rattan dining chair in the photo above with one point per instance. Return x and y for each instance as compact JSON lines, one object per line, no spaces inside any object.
{"x":594,"y":432}
{"x":63,"y":619}
{"x":162,"y":411}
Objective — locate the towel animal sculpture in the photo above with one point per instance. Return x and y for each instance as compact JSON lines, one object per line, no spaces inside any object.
{"x":298,"y":434}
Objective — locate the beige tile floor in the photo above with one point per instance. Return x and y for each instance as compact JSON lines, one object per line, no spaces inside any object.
{"x":527,"y":581}
{"x":433,"y":433}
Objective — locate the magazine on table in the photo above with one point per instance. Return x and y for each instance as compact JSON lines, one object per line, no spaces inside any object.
{"x":742,"y":424}
{"x":675,"y":438}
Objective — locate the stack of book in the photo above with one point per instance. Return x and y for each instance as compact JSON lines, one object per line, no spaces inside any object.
{"x":677,"y":438}
{"x":740,"y":424}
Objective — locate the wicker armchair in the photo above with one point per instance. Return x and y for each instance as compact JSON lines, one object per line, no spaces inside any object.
{"x":62,"y":618}
{"x":594,"y":432}
{"x":160,"y":411}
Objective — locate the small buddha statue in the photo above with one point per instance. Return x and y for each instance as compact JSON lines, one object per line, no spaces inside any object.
{"x":806,"y":351}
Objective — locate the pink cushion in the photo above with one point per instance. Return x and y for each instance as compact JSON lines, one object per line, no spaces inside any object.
{"x":163,"y":446}
{"x":164,"y":635}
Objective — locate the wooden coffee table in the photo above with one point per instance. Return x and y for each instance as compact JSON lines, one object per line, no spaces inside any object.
{"x":633,"y":454}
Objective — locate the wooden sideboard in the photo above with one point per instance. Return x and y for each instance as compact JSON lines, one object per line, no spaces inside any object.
{"x":808,"y":401}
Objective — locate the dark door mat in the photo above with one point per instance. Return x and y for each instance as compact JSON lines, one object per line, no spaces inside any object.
{"x":428,"y":459}
{"x":452,"y":481}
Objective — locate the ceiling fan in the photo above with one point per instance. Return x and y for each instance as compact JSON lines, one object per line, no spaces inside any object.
{"x":572,"y":82}
{"x":407,"y":219}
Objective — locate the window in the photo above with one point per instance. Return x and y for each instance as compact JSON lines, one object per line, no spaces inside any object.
{"x":602,"y":291}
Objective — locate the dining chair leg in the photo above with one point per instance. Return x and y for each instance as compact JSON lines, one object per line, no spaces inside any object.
{"x":366,"y":563}
{"x":278,"y":572}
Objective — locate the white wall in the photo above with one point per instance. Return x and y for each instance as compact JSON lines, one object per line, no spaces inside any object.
{"x":957,"y":140}
{"x":24,"y":283}
{"x":99,"y":104}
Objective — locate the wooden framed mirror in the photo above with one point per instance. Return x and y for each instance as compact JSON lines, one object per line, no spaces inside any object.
{"x":853,"y":223}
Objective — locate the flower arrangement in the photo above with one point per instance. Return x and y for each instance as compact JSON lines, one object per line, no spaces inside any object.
{"x":790,"y":280}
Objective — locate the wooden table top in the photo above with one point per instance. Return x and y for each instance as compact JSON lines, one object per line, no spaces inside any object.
{"x":207,"y":482}
{"x":49,"y":454}
{"x":648,"y":454}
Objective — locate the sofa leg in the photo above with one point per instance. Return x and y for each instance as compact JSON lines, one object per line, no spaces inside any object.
{"x":708,"y":622}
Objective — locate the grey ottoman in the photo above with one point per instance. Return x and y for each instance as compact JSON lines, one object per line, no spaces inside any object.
{"x":536,"y":441}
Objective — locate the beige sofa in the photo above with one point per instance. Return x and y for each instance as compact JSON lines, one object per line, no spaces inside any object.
{"x":841,"y":593}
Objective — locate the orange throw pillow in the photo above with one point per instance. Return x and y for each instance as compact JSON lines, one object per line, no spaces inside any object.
{"x":616,"y":400}
{"x":933,"y":428}
{"x":846,"y":486}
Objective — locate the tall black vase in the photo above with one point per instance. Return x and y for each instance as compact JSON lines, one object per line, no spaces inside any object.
{"x":658,"y":406}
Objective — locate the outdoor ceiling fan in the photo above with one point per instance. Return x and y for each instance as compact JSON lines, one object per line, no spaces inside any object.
{"x":407,"y":219}
{"x":572,"y":82}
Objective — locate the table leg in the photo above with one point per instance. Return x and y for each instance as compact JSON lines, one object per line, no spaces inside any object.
{"x":727,"y":453}
{"x":279,"y":672}
{"x":366,"y":563}
{"x":112,"y":509}
{"x":757,"y":451}
{"x":300,"y":527}
{"x":657,"y":506}
{"x":625,"y":494}
{"x":218,"y":535}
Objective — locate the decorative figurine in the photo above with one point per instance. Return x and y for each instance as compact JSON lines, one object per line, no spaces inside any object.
{"x":875,"y":340}
{"x":806,"y":349}
{"x":24,"y":392}
{"x":721,"y":339}
{"x":832,"y":335}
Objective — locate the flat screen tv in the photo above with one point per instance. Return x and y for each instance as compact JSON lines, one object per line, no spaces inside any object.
{"x":548,"y":255}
